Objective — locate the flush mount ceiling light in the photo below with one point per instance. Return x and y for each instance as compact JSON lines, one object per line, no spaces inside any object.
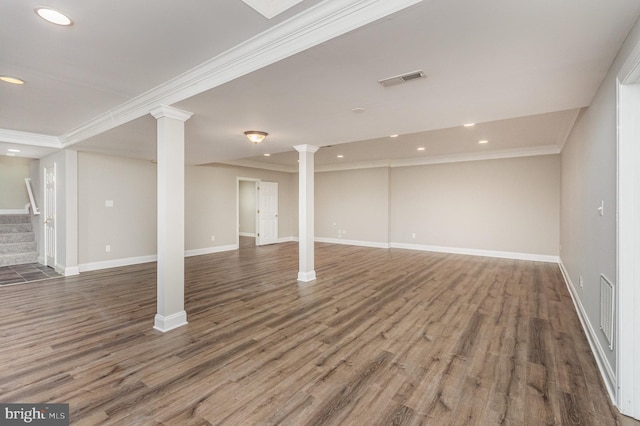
{"x":483,"y":141}
{"x":421,"y":148}
{"x":11,"y":80}
{"x":340,"y":156}
{"x":53,"y":16}
{"x":255,"y":136}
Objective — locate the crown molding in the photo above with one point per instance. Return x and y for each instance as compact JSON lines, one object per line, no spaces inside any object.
{"x":33,"y":139}
{"x":322,"y":22}
{"x":163,"y":111}
{"x":259,"y":165}
{"x":409,"y":162}
{"x":479,"y":156}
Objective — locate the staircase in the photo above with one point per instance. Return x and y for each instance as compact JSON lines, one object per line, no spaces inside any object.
{"x":17,"y":240}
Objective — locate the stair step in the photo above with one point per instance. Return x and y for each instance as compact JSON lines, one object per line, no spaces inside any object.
{"x":21,"y":237}
{"x":18,"y":258}
{"x":16,"y":248}
{"x":14,"y":228}
{"x":14,"y":218}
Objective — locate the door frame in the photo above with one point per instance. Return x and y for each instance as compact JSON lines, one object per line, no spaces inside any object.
{"x":45,"y":250}
{"x":628,"y":236}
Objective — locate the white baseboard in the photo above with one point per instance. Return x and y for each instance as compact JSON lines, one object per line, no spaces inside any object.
{"x":372,"y":244}
{"x":477,"y":252}
{"x":306,"y":276}
{"x":209,"y":250}
{"x":606,"y":371}
{"x":67,"y":271}
{"x":247,"y":234}
{"x":288,"y":239}
{"x":14,"y":211}
{"x":164,"y":324}
{"x":115,"y":263}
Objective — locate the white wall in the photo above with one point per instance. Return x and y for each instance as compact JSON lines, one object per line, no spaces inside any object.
{"x":507,"y":205}
{"x":353,"y":205}
{"x":13,"y":171}
{"x":588,"y":240}
{"x":130,"y":226}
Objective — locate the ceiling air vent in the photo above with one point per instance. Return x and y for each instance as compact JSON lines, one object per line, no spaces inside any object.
{"x":399,"y":79}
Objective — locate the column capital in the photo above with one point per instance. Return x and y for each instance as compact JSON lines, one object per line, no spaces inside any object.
{"x":306,"y":148}
{"x":162,"y":111}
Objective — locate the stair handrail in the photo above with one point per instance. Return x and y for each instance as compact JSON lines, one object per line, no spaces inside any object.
{"x":32,"y":200}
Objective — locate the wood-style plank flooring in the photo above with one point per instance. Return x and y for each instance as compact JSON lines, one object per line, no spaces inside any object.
{"x":381,"y":337}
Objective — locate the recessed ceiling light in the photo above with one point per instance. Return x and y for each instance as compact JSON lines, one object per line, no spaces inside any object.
{"x":11,"y":80}
{"x":358,"y":110}
{"x":483,"y":141}
{"x":13,"y":150}
{"x":340,"y":156}
{"x":469,"y":124}
{"x":393,"y":136}
{"x":53,"y":16}
{"x":421,"y":148}
{"x":267,"y":155}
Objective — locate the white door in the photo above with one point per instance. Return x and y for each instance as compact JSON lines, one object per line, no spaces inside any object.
{"x":267,"y":213}
{"x":50,"y":216}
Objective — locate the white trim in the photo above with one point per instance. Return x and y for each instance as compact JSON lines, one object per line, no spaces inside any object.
{"x":115,"y":263}
{"x":163,"y":111}
{"x":319,"y":23}
{"x":164,"y":324}
{"x":271,"y":8}
{"x":14,"y":211}
{"x":305,"y":277}
{"x":247,"y":234}
{"x":371,"y":244}
{"x":628,"y":236}
{"x":288,"y":239}
{"x":209,"y":250}
{"x":67,"y":271}
{"x":606,"y":371}
{"x":479,"y":156}
{"x":476,"y":252}
{"x":409,"y":162}
{"x":26,"y":138}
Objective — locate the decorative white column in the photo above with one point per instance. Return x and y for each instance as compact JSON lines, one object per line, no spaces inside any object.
{"x":170,"y":311}
{"x":306,"y":212}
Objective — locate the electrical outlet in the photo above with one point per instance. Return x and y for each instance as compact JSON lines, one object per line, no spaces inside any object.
{"x":581,"y":281}
{"x":107,"y":248}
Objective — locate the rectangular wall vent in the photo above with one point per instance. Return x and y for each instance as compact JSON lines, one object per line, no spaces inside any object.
{"x":399,"y":79}
{"x":607,"y":305}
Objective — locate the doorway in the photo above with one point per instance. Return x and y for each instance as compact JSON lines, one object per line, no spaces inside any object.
{"x":256,"y":212}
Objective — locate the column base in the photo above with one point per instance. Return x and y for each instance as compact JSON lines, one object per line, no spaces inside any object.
{"x":164,"y":324}
{"x":306,"y":276}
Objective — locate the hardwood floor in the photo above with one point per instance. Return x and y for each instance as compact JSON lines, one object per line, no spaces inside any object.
{"x":382,"y":337}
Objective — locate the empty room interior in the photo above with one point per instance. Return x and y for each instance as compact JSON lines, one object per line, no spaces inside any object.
{"x":321,"y":212}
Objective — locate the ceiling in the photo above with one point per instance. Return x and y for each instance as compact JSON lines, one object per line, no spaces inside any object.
{"x":520,"y":70}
